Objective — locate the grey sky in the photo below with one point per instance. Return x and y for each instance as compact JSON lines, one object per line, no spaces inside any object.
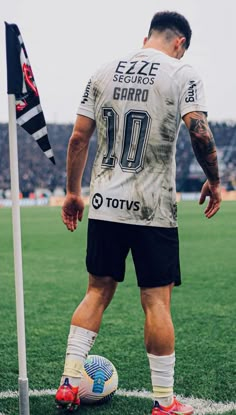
{"x":68,"y":40}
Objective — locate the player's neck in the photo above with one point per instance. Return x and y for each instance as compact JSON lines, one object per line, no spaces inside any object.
{"x":158,"y":45}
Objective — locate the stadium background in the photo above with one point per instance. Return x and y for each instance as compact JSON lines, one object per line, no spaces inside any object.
{"x":40,"y":178}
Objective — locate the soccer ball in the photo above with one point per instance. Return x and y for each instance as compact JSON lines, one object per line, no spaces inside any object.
{"x":99,"y":381}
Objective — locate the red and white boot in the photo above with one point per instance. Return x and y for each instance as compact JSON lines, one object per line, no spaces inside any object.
{"x":67,"y":397}
{"x":176,"y":408}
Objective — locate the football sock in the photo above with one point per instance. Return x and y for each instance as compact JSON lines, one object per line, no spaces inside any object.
{"x":162,"y":375}
{"x":80,"y":341}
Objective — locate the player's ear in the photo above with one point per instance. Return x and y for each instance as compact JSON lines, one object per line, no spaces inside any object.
{"x":180,"y":41}
{"x":179,"y":47}
{"x":145,"y":40}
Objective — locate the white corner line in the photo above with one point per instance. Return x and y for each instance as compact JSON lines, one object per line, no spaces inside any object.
{"x":201,"y":406}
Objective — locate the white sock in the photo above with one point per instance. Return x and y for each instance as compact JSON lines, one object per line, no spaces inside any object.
{"x":162,"y":375}
{"x":80,"y":342}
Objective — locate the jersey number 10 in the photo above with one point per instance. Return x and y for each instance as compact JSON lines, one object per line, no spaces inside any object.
{"x":135,"y":136}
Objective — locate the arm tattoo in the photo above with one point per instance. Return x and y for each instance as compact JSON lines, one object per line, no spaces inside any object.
{"x":204,"y":147}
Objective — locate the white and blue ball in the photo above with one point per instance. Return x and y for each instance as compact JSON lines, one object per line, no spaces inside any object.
{"x":99,"y":381}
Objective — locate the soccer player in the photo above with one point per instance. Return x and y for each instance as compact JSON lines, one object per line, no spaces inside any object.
{"x":136,"y":104}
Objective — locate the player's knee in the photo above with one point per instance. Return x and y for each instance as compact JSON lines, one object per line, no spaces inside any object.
{"x":153,"y":297}
{"x":102,"y":290}
{"x":147,"y":299}
{"x":101,"y":297}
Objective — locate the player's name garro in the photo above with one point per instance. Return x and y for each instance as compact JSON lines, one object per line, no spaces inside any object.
{"x":130,"y":94}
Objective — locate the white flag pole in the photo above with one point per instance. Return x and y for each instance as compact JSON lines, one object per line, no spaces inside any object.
{"x":14,"y":170}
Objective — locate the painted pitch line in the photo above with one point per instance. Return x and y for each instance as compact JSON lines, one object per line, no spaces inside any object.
{"x":201,"y":406}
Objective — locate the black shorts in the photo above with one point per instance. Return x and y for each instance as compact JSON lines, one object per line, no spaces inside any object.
{"x":155,"y":252}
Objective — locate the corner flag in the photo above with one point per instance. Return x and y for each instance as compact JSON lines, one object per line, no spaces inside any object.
{"x":25,"y":110}
{"x":21,"y":83}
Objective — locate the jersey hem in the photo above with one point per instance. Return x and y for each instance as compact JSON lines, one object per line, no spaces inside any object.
{"x":153,"y":224}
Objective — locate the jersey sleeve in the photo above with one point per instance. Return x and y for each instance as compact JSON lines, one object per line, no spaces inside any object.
{"x":192,"y":94}
{"x":86,"y":106}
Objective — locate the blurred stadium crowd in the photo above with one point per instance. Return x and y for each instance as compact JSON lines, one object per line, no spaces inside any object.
{"x":37,"y":172}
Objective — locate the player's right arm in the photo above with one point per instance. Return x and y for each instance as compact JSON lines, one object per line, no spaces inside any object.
{"x":204,"y":148}
{"x":77,"y":153}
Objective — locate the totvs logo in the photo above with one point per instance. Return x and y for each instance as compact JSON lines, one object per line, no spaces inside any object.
{"x":98,"y":201}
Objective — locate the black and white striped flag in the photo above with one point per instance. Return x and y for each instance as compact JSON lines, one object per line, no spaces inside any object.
{"x":21,"y":83}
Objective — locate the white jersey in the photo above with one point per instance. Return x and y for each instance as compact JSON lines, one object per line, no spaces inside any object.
{"x":137,"y":103}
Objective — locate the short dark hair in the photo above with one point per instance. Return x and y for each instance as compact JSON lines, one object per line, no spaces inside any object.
{"x":173,"y":21}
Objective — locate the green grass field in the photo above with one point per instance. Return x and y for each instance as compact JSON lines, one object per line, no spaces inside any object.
{"x":55,"y":279}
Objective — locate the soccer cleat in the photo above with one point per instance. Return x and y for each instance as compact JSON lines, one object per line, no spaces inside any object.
{"x":67,"y":398}
{"x":176,"y":408}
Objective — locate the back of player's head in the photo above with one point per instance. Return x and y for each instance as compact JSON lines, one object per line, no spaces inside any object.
{"x":173,"y":21}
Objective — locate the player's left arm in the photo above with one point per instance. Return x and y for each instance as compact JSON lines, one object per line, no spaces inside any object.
{"x":204,"y":148}
{"x":77,"y":153}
